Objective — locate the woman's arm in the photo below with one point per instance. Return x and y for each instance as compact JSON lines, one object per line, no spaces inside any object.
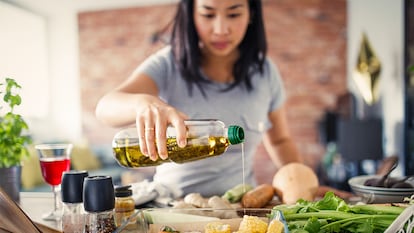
{"x":136,"y":101}
{"x":278,"y":142}
{"x":118,"y":108}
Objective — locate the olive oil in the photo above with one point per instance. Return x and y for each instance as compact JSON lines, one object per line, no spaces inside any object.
{"x":205,"y":138}
{"x":131,"y":156}
{"x":196,"y":149}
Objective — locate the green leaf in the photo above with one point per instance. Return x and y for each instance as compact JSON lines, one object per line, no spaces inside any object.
{"x":298,"y":231}
{"x":13,"y":140}
{"x":334,"y":215}
{"x":313,"y":225}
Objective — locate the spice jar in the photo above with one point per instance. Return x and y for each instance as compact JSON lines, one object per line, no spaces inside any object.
{"x":205,"y":138}
{"x":72,"y":199}
{"x":99,"y":203}
{"x":124,"y":207}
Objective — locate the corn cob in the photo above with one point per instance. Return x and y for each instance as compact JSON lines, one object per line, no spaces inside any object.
{"x":252,"y":224}
{"x":217,"y":227}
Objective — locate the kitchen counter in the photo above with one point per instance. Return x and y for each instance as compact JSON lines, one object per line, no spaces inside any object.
{"x":25,"y":216}
{"x":35,"y":204}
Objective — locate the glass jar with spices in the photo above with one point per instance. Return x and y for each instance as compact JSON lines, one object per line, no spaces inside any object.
{"x":124,"y":207}
{"x":72,"y":199}
{"x":99,"y":203}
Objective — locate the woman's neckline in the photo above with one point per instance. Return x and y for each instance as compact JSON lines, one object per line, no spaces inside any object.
{"x":219,"y":69}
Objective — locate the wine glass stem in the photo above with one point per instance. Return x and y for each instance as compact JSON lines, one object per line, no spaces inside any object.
{"x":55,"y":192}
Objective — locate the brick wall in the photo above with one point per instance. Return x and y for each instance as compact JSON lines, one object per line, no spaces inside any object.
{"x":307,"y":40}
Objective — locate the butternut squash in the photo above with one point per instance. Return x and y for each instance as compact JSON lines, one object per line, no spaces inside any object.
{"x":295,"y":181}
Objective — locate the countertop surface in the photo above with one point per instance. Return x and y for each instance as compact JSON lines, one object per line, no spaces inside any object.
{"x":35,"y":204}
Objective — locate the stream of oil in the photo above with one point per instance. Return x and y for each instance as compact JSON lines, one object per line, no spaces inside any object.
{"x":243,"y":167}
{"x":243,"y":160}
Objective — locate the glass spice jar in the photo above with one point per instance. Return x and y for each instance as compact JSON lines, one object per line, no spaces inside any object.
{"x":99,"y":203}
{"x":124,"y":207}
{"x":72,"y":199}
{"x":100,"y":222}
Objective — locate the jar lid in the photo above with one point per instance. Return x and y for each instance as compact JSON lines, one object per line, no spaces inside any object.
{"x":235,"y":134}
{"x":98,"y":194}
{"x":123,"y":191}
{"x":72,"y":186}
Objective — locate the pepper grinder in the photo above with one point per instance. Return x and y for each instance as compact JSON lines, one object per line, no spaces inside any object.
{"x":72,"y":198}
{"x":99,"y":203}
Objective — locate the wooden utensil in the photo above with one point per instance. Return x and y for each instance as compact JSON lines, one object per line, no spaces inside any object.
{"x":14,"y":219}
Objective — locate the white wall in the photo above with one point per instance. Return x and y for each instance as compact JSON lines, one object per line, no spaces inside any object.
{"x":383,"y":23}
{"x":63,"y":121}
{"x":91,"y":5}
{"x":24,"y":58}
{"x":63,"y":114}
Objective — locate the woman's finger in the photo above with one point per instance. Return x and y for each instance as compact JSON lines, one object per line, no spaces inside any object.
{"x":149,"y":131}
{"x":141,"y":135}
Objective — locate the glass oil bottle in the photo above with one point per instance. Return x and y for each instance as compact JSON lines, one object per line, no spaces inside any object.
{"x":205,"y":138}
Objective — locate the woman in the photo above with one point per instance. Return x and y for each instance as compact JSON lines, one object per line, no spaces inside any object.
{"x":215,"y":67}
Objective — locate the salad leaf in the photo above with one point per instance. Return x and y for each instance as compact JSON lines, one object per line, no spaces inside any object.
{"x":333,"y":214}
{"x":312,"y":225}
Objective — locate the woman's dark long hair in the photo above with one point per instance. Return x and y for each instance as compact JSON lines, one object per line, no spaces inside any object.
{"x":185,"y":45}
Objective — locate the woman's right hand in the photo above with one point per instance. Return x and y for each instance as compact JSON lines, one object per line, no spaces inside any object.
{"x":153,"y":116}
{"x":136,"y":100}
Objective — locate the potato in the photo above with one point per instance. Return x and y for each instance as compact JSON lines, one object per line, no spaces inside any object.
{"x":295,"y":181}
{"x":258,"y":197}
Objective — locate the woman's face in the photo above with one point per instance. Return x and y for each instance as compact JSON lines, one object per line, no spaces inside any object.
{"x":221,"y":24}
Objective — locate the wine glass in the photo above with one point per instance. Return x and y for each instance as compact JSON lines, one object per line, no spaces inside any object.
{"x":54,"y":160}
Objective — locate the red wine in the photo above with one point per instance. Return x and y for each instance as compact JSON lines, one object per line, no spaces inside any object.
{"x":52,"y":169}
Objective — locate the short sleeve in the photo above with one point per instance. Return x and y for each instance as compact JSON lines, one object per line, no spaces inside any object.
{"x":277,"y":88}
{"x":159,"y":66}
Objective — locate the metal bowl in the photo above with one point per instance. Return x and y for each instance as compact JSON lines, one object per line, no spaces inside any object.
{"x":371,"y":194}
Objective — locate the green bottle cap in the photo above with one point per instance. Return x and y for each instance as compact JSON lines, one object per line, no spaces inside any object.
{"x":235,"y":134}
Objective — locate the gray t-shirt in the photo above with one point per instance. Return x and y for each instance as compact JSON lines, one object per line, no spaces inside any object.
{"x":213,"y":176}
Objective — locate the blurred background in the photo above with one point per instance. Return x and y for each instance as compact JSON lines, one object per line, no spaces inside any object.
{"x":67,"y":54}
